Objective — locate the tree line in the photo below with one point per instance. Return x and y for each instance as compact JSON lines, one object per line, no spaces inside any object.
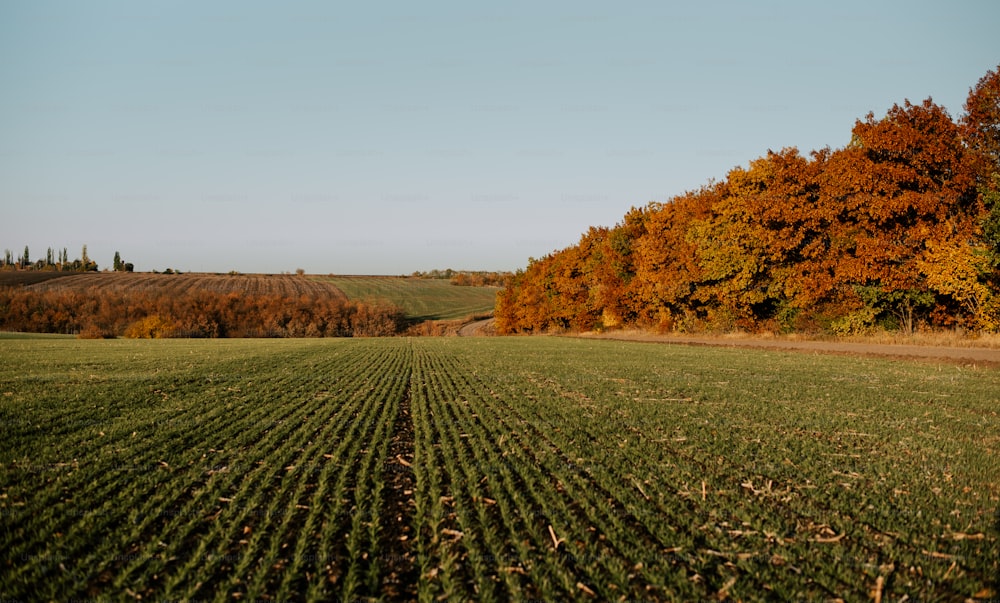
{"x":58,"y":261}
{"x":479,"y":279}
{"x":466,"y":278}
{"x":900,"y":229}
{"x":102,"y":313}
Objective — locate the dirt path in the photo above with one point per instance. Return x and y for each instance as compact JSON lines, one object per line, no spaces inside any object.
{"x":477,"y":328}
{"x":961,"y":355}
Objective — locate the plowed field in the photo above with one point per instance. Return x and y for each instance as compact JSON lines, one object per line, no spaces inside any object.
{"x":181,"y":284}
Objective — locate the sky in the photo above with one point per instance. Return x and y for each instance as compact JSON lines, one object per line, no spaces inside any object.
{"x":390,"y":137}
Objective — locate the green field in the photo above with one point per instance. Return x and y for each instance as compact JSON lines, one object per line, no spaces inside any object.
{"x":420,"y":298}
{"x":491,"y":469}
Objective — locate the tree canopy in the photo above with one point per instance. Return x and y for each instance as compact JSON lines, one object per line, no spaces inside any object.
{"x":901,"y":228}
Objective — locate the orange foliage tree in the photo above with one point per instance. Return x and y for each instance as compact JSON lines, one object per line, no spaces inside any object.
{"x":900,"y":227}
{"x":903,"y":181}
{"x":982,"y":132}
{"x":667,"y":270}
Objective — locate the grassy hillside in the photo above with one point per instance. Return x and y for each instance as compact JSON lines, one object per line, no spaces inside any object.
{"x":421,"y":299}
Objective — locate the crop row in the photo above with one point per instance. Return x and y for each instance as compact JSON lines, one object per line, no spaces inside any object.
{"x":510,"y":517}
{"x":247,"y":480}
{"x":770,"y":472}
{"x":491,"y":469}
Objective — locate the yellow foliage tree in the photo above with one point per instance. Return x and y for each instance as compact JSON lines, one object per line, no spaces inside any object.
{"x":957,"y":269}
{"x":153,"y":326}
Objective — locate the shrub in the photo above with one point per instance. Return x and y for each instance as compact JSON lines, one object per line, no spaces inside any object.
{"x":151,"y":327}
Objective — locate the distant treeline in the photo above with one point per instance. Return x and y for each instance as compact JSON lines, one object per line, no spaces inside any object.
{"x":103,"y":313}
{"x":900,"y":229}
{"x":467,"y":278}
{"x":57,"y":261}
{"x":481,"y":279}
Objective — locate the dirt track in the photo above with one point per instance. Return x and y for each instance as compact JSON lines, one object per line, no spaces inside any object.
{"x":960,"y":355}
{"x":477,"y":328}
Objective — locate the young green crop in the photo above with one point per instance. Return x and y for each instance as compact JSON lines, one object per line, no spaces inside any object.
{"x":543,"y":468}
{"x":844,"y":468}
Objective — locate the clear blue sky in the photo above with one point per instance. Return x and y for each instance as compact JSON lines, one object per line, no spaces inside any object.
{"x":388,"y":137}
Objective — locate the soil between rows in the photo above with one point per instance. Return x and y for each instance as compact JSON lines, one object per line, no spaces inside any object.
{"x":398,"y":557}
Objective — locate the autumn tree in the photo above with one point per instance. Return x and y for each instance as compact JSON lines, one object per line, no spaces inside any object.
{"x":87,"y":265}
{"x":532,"y":299}
{"x":982,"y":123}
{"x":761,"y":247}
{"x":153,"y":326}
{"x":505,"y":308}
{"x":982,"y":130}
{"x":122,"y":266}
{"x":109,"y":313}
{"x":955,"y":268}
{"x":903,"y":180}
{"x":667,"y":271}
{"x":900,"y":226}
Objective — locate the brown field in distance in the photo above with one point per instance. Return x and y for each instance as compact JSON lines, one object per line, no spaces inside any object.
{"x":178,"y":284}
